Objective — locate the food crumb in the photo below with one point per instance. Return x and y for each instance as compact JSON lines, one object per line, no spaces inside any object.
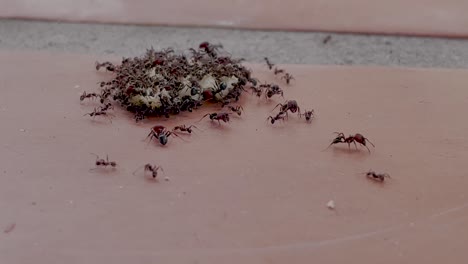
{"x":331,"y":205}
{"x":22,"y":130}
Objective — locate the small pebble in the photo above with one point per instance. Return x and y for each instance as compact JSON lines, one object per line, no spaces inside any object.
{"x":331,"y":205}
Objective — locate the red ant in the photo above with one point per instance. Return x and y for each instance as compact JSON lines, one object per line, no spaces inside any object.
{"x":269,"y":64}
{"x":184,"y":128}
{"x":377,"y":176}
{"x":288,"y":77}
{"x":281,"y":115}
{"x":237,"y":109}
{"x":308,"y":115}
{"x":152,"y":168}
{"x":217,"y":116}
{"x":359,"y":138}
{"x":290,"y":105}
{"x":105,"y":163}
{"x":278,"y":71}
{"x":161,"y":133}
{"x":86,"y":95}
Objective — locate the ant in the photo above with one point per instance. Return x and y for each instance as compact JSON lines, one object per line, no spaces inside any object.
{"x":272,"y":90}
{"x":161,"y":133}
{"x":281,"y":115}
{"x":237,"y":109}
{"x":288,"y":77}
{"x":105,"y":163}
{"x":217,"y":116}
{"x":278,"y":71}
{"x":290,"y":105}
{"x":377,"y":176}
{"x":269,"y":64}
{"x":109,"y":66}
{"x":184,"y":128}
{"x":86,"y":95}
{"x":308,"y":114}
{"x":98,"y":113}
{"x":326,"y":39}
{"x":152,"y":168}
{"x":359,"y":138}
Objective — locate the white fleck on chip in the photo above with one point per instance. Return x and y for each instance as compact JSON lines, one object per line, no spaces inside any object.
{"x":331,"y":205}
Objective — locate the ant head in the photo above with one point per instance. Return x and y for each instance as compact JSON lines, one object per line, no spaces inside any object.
{"x":204,"y":45}
{"x":98,"y":163}
{"x":272,"y":119}
{"x":163,"y":139}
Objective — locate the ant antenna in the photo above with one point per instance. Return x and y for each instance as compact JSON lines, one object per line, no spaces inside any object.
{"x":138,"y":169}
{"x":203,"y":117}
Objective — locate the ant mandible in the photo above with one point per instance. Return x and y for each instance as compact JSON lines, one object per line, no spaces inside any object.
{"x":359,"y":138}
{"x":217,"y":116}
{"x":161,"y":133}
{"x":151,"y":168}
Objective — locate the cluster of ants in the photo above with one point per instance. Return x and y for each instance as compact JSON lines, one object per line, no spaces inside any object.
{"x":131,"y":79}
{"x":164,"y":83}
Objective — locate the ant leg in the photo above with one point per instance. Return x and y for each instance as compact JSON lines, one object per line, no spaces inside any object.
{"x":175,"y":134}
{"x":369,"y":142}
{"x":328,"y":146}
{"x":277,"y":106}
{"x":139,"y":168}
{"x":355,"y":145}
{"x":366,"y":148}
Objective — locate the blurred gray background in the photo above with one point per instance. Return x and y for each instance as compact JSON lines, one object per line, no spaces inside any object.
{"x":281,"y":47}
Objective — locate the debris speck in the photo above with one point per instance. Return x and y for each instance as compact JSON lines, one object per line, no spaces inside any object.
{"x":331,"y":205}
{"x":77,"y":86}
{"x":166,"y":178}
{"x":22,"y":130}
{"x":9,"y":228}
